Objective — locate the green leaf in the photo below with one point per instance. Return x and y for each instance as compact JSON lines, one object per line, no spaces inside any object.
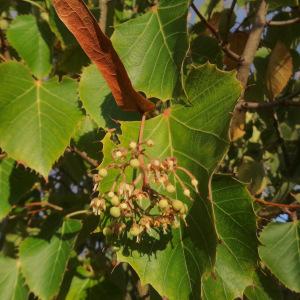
{"x":205,"y":48}
{"x":237,"y":251}
{"x":37,"y":118}
{"x":153,"y":47}
{"x":198,"y":137}
{"x":263,"y":288}
{"x":280,"y":251}
{"x":98,"y":100}
{"x":27,"y":37}
{"x":12,"y":286}
{"x":84,"y":288}
{"x":44,"y":261}
{"x":15,"y":181}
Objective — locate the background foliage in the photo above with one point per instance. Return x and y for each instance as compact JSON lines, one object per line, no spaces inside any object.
{"x":58,"y":122}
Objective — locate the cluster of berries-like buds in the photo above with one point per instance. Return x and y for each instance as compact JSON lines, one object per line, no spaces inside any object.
{"x":147,"y":202}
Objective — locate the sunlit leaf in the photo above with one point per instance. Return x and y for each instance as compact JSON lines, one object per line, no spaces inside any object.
{"x":37,"y":118}
{"x":44,"y":259}
{"x":280,"y":251}
{"x":28,"y":38}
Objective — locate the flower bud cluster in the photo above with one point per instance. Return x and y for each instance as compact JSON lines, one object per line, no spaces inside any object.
{"x":147,"y":202}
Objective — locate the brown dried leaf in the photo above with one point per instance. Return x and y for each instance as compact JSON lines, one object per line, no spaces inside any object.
{"x":237,"y":125}
{"x":98,"y":47}
{"x":237,"y":42}
{"x":279,"y":70}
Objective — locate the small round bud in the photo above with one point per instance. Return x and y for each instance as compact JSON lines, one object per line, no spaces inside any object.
{"x":170,"y":188}
{"x":194,"y":182}
{"x":150,"y":143}
{"x":115,"y":200}
{"x":118,"y":154}
{"x":177,"y":205}
{"x":124,"y":205}
{"x":156,"y":163}
{"x":110,"y":194}
{"x":103,"y":172}
{"x":163,"y":203}
{"x":187,"y":192}
{"x":135,"y":163}
{"x":132,"y":145}
{"x":135,"y":230}
{"x":107,"y":231}
{"x":115,"y":212}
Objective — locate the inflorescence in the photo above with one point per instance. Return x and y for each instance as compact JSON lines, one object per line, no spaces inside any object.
{"x":146,"y":204}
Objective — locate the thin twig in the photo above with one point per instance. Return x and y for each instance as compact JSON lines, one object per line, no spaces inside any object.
{"x":77,"y":213}
{"x":141,"y":157}
{"x":84,"y":156}
{"x":224,"y":46}
{"x":262,"y":105}
{"x":42,"y":204}
{"x":280,"y":205}
{"x":233,"y":3}
{"x":34,"y":4}
{"x":284,"y":22}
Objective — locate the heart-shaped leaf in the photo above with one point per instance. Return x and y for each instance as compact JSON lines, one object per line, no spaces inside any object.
{"x":43,"y":261}
{"x":198,"y":137}
{"x":12,"y":286}
{"x":277,"y":240}
{"x":27,"y":37}
{"x":37,"y":118}
{"x":153,"y":47}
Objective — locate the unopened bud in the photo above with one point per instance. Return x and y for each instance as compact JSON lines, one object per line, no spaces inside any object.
{"x":103,"y":172}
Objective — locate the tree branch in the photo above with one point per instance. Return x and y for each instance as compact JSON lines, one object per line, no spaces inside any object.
{"x":84,"y":156}
{"x":284,"y":22}
{"x":224,"y":46}
{"x":280,"y":205}
{"x":42,"y":204}
{"x":252,"y":43}
{"x":244,"y":105}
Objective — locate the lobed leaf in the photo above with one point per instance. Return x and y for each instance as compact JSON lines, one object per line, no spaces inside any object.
{"x":198,"y":137}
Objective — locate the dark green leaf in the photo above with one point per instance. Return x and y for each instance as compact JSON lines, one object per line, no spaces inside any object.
{"x":236,"y":229}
